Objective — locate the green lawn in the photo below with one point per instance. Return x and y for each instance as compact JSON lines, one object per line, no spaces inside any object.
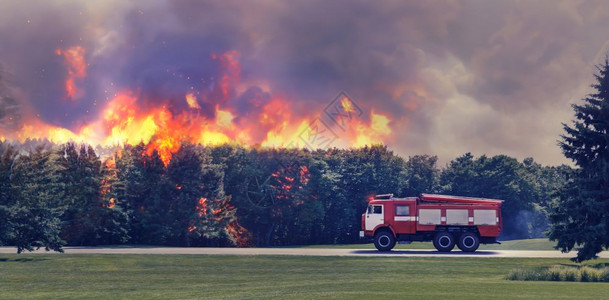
{"x":531,"y":244}
{"x":81,"y":276}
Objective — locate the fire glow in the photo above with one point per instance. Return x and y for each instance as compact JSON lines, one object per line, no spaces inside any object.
{"x":203,"y":117}
{"x":77,"y":69}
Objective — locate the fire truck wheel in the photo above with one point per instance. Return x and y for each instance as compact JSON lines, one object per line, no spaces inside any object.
{"x":468,"y":242}
{"x":384,"y":240}
{"x":444,"y":241}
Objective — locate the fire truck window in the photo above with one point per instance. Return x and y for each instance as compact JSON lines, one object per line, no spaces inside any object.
{"x":402,"y":210}
{"x":378,"y":209}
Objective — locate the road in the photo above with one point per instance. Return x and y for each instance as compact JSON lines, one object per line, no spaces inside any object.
{"x":308,"y":252}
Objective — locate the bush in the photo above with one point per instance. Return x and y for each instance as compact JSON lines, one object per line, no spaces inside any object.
{"x":562,"y":273}
{"x":604,"y":276}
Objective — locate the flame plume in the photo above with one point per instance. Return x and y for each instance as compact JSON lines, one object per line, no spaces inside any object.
{"x":210,"y":117}
{"x":77,"y":68}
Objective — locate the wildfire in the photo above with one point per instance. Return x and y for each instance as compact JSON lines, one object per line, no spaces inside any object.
{"x":191,"y":100}
{"x":201,"y":207}
{"x":380,"y":124}
{"x":229,"y":63}
{"x":111,"y":203}
{"x":242,"y":237}
{"x":211,"y":115}
{"x":288,"y":179}
{"x":347,"y":106}
{"x":74,"y":59}
{"x":224,"y":118}
{"x":163,"y":126}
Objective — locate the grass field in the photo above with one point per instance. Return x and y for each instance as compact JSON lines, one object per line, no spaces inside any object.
{"x":82,"y":276}
{"x":531,"y":244}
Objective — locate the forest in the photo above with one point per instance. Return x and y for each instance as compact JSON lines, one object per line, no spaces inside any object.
{"x":229,"y":195}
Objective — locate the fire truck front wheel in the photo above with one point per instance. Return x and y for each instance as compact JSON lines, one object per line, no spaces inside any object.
{"x":468,"y":242}
{"x":444,"y":241}
{"x":384,"y":240}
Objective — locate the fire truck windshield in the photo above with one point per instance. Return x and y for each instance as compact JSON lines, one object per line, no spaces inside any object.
{"x":375,"y":209}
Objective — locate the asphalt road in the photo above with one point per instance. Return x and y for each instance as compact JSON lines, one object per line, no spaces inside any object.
{"x":308,"y":252}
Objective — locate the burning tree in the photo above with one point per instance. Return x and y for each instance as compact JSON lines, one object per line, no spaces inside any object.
{"x":199,"y":209}
{"x":274,"y":199}
{"x":143,"y":190}
{"x":88,"y":219}
{"x":113,"y":224}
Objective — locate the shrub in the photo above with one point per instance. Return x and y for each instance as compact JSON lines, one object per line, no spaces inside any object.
{"x":562,"y":273}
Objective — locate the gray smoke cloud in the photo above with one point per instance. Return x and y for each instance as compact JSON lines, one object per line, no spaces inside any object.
{"x":454,"y":76}
{"x":10,"y":108}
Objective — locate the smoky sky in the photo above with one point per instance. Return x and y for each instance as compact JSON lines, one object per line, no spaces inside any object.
{"x":487,"y":77}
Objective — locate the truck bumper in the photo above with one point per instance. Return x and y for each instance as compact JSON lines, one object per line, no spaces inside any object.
{"x":365,"y":236}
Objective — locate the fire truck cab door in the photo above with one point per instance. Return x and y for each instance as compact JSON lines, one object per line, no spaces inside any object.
{"x":374,"y":216}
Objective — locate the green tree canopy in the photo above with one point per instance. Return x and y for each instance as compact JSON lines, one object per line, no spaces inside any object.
{"x":37,"y":181}
{"x":581,"y":216}
{"x":499,"y":177}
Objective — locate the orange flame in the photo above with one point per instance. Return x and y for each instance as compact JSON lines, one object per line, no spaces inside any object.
{"x":241,"y":236}
{"x":201,"y":207}
{"x":162,"y":127}
{"x":289,"y":179}
{"x":347,"y":106}
{"x":74,"y":58}
{"x":191,"y":100}
{"x":229,"y":62}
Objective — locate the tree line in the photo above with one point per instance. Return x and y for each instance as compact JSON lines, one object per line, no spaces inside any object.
{"x":55,"y":195}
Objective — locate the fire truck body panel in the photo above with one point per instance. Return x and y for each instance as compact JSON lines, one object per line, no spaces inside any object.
{"x":422,"y":218}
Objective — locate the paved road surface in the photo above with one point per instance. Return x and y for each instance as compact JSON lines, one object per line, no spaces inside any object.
{"x":308,"y":252}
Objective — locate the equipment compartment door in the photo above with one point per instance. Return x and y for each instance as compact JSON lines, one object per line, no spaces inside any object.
{"x":404,"y":219}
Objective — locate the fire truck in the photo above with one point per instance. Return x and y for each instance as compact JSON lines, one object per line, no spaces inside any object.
{"x":444,"y":220}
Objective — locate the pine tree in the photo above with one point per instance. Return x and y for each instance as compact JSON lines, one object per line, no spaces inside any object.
{"x":141,"y":190}
{"x":38,"y":182}
{"x":236,"y":166}
{"x":581,"y":216}
{"x":198,"y":208}
{"x":111,"y":218}
{"x":7,"y":193}
{"x":82,"y":179}
{"x":154,"y":217}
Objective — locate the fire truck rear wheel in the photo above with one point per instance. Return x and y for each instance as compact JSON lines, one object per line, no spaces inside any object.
{"x":444,"y":241}
{"x":468,"y":242}
{"x":384,"y":240}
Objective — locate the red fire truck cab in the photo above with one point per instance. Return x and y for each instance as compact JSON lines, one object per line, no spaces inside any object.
{"x":444,"y":220}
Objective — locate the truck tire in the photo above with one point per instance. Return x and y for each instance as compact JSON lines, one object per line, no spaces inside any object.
{"x":468,"y":242}
{"x":444,"y":241}
{"x":384,"y":240}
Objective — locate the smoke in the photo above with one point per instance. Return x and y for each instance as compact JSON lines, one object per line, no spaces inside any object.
{"x":10,"y":107}
{"x":452,"y":77}
{"x":527,"y":224}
